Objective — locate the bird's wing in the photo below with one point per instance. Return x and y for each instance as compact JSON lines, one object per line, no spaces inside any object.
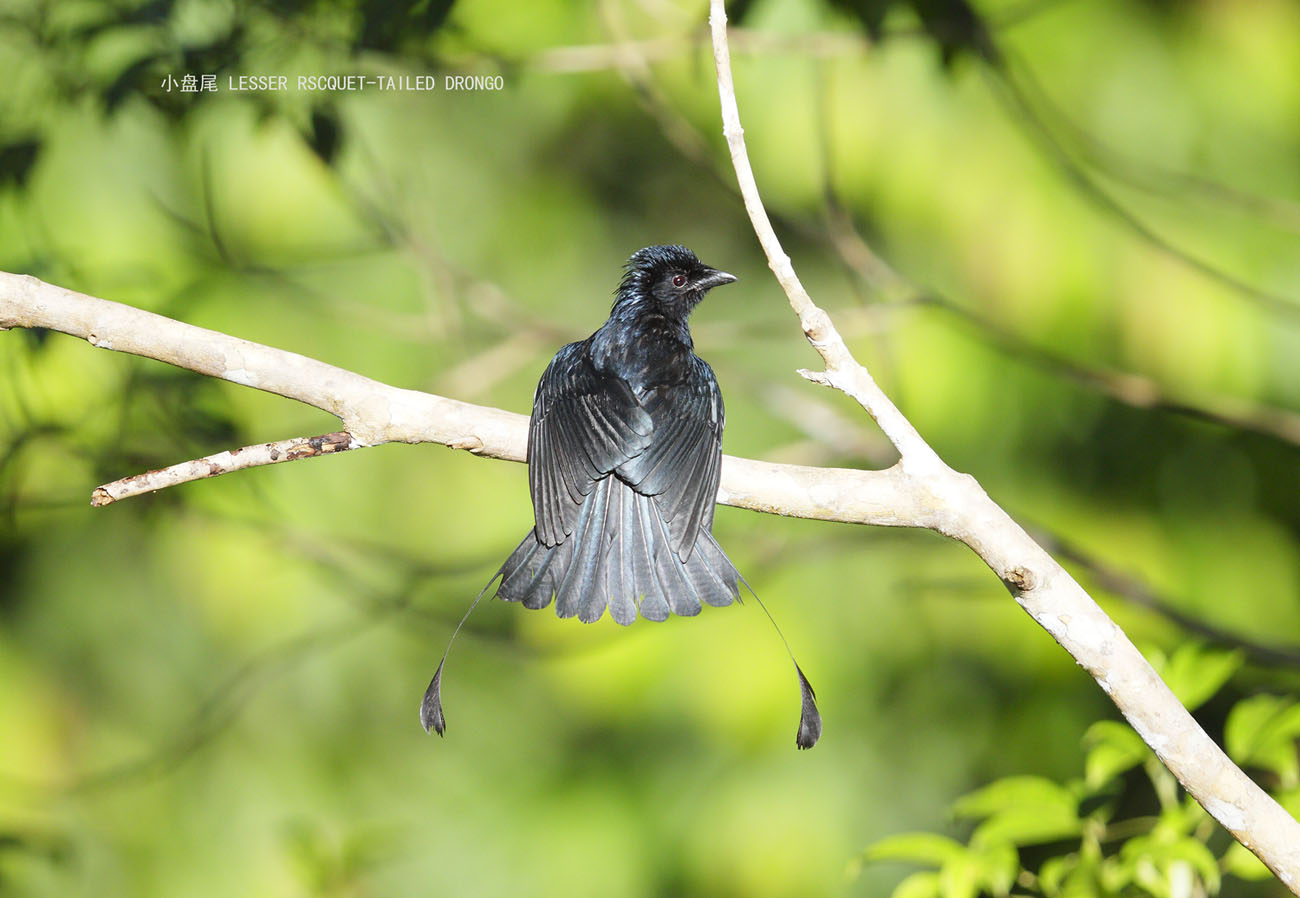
{"x":682,"y":464}
{"x":584,"y":425}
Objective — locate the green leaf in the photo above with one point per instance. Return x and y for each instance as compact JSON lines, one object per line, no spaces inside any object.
{"x":1195,"y":673}
{"x":916,"y":848}
{"x":919,"y":885}
{"x":1196,"y":853}
{"x":1114,"y":876}
{"x":1027,"y":827}
{"x":1160,"y":864}
{"x":1081,"y":876}
{"x":1052,"y":875}
{"x":1187,"y":816}
{"x":1021,"y":810}
{"x":1114,"y":750}
{"x":963,"y":873}
{"x":1262,"y":731}
{"x":1159,"y":882}
{"x":960,"y":878}
{"x":999,"y":864}
{"x":1014,"y":793}
{"x":1247,"y":723}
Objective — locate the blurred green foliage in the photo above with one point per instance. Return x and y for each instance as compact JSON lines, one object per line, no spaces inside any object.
{"x":1085,"y":846}
{"x":1090,"y":302}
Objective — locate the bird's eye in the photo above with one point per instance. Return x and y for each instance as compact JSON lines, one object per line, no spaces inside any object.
{"x":679,"y":280}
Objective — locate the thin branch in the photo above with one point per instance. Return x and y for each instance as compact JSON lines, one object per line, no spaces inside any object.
{"x":371,"y":412}
{"x":622,"y":53}
{"x":959,"y":508}
{"x":1126,"y":387}
{"x":1285,"y":306}
{"x":222,"y":463}
{"x":842,"y":371}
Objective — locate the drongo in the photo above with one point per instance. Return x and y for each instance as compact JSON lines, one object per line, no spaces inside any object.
{"x":624,"y":459}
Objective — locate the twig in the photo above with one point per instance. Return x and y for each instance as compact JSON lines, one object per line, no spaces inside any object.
{"x":959,"y":508}
{"x":1285,"y":306}
{"x":1126,"y":387}
{"x":222,"y":463}
{"x":619,"y":54}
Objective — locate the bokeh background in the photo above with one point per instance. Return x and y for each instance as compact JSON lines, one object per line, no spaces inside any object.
{"x":1064,"y":236}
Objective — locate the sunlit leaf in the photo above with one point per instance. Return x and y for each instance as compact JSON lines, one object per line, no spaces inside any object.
{"x":1162,"y":865}
{"x":1196,"y":673}
{"x":998,"y":863}
{"x":1113,"y":874}
{"x":1020,"y":810}
{"x":1052,"y":874}
{"x":1262,"y":731}
{"x":916,"y":848}
{"x":919,"y":885}
{"x":1014,"y":793}
{"x":1196,"y":853}
{"x":1028,"y":826}
{"x":1114,"y":749}
{"x":960,"y":878}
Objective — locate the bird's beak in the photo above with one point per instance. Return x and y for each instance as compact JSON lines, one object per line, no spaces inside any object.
{"x":713,"y":278}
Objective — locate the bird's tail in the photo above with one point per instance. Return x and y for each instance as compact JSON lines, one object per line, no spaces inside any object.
{"x":619,"y":556}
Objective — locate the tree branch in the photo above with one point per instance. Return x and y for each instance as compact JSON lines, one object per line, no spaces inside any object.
{"x":372,"y":413}
{"x":222,"y":463}
{"x":959,"y":508}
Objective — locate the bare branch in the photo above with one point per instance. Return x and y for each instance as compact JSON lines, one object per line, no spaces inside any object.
{"x":622,"y":53}
{"x":222,"y":463}
{"x":1126,"y":387}
{"x":1136,"y":390}
{"x":842,"y":370}
{"x":959,"y":508}
{"x":372,"y":412}
{"x":1091,"y":188}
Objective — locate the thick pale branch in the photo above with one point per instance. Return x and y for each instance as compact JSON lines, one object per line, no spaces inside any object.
{"x":373,"y":412}
{"x":959,"y":508}
{"x":370,"y":411}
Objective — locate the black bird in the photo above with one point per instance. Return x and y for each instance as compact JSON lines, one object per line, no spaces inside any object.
{"x":624,"y":459}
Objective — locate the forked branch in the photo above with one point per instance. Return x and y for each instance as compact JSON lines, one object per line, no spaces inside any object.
{"x":959,"y":508}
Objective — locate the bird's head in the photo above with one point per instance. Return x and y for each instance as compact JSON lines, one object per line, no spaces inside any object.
{"x":670,"y":278}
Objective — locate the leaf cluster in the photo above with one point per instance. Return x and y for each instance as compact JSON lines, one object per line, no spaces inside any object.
{"x":1084,"y":840}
